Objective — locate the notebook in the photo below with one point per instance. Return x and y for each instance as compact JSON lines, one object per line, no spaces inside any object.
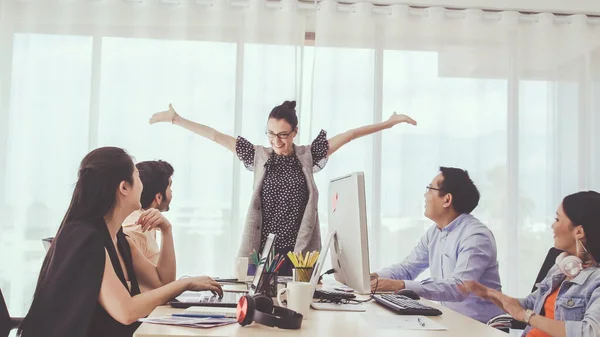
{"x":227,"y":312}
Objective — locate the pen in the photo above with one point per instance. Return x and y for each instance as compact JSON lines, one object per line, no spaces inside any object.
{"x":279,"y":265}
{"x":199,"y":315}
{"x":421,"y":322}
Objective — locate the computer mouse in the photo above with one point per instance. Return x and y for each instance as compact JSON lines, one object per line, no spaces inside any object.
{"x":409,"y":293}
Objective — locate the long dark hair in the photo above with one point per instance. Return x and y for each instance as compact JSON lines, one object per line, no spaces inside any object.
{"x":583,"y":209}
{"x":100,"y":174}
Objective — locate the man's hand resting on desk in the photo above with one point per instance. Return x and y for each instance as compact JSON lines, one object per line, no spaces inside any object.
{"x":386,"y":284}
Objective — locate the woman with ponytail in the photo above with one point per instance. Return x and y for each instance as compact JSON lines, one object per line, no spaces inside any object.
{"x":567,"y":301}
{"x":285,"y":196}
{"x":89,"y":284}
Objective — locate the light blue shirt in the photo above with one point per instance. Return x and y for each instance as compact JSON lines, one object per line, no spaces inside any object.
{"x":577,"y":302}
{"x":463,"y":250}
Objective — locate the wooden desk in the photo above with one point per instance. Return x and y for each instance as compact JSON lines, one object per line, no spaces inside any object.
{"x":328,"y":323}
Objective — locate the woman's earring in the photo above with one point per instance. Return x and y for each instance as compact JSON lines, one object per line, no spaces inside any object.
{"x":585,"y":252}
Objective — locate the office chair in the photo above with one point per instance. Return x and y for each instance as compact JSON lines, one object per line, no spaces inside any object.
{"x":7,"y":323}
{"x":504,"y":322}
{"x":47,"y":242}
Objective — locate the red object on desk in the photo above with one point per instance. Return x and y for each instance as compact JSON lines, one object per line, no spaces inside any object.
{"x":279,"y":265}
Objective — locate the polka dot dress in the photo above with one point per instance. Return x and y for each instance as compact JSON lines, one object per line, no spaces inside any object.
{"x":284,"y":193}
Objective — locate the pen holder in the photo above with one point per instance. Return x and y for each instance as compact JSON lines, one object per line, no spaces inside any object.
{"x":269,"y":284}
{"x":302,"y":274}
{"x":251,"y":269}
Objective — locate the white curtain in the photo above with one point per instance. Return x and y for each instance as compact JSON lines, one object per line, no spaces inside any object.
{"x":80,"y":75}
{"x":511,"y":98}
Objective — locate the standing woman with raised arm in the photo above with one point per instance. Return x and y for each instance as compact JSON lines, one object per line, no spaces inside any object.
{"x":285,"y":196}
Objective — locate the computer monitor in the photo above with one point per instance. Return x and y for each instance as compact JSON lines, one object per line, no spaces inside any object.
{"x":348,"y":224}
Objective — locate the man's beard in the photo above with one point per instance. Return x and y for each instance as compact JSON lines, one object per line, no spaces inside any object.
{"x":164,"y":206}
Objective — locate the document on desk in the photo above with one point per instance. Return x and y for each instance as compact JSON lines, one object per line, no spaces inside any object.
{"x":190,"y":322}
{"x":404,"y":322}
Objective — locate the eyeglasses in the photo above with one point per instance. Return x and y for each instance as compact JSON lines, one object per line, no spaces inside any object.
{"x":281,"y":135}
{"x":427,"y":188}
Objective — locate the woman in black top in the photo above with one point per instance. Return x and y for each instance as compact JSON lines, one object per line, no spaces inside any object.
{"x":284,"y":190}
{"x":89,"y":281}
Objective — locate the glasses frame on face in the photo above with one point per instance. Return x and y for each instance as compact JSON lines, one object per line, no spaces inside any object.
{"x":429,"y":187}
{"x":281,"y":135}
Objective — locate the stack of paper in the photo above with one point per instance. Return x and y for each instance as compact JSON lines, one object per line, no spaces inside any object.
{"x":215,"y":312}
{"x":190,"y":322}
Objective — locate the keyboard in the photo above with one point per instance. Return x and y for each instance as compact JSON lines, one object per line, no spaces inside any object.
{"x":405,"y":306}
{"x":333,"y":294}
{"x":206,"y":299}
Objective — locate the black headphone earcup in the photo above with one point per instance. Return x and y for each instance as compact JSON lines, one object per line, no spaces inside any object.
{"x":263,"y":303}
{"x":259,"y":308}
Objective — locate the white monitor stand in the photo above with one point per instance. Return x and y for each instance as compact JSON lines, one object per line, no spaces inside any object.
{"x":314,"y":280}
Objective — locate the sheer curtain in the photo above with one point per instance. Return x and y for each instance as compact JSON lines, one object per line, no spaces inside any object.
{"x":79,"y":75}
{"x":512,"y":98}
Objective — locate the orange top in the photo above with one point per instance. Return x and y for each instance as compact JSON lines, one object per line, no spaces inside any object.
{"x":548,"y":312}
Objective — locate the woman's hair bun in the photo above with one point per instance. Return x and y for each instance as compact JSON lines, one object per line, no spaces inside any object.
{"x":289,"y":104}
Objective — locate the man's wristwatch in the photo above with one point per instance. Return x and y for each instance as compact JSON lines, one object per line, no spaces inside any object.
{"x":528,"y":314}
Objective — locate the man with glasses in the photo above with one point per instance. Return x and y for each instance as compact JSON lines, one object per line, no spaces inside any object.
{"x":457,"y":248}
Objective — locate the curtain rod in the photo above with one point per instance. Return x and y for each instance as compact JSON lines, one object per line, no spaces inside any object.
{"x":456,"y":8}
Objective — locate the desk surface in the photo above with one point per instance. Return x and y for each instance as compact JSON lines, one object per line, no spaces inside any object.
{"x":328,"y":323}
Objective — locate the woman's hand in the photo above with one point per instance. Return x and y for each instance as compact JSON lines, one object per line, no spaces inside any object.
{"x":509,"y":304}
{"x":513,"y":307}
{"x":200,"y":283}
{"x":400,"y":118}
{"x":164,"y":116}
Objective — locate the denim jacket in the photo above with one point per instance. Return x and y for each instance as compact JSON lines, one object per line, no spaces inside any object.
{"x":577,"y":302}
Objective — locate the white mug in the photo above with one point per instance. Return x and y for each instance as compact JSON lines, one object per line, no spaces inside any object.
{"x":241,"y":269}
{"x":299,"y":296}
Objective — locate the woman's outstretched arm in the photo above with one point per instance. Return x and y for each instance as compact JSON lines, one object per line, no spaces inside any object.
{"x":205,"y":131}
{"x":344,"y":138}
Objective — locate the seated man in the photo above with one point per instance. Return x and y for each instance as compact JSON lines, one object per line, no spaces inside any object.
{"x":457,"y":248}
{"x":156,"y":176}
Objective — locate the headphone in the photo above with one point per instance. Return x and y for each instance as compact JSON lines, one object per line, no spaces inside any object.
{"x":259,"y":308}
{"x":570,"y":265}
